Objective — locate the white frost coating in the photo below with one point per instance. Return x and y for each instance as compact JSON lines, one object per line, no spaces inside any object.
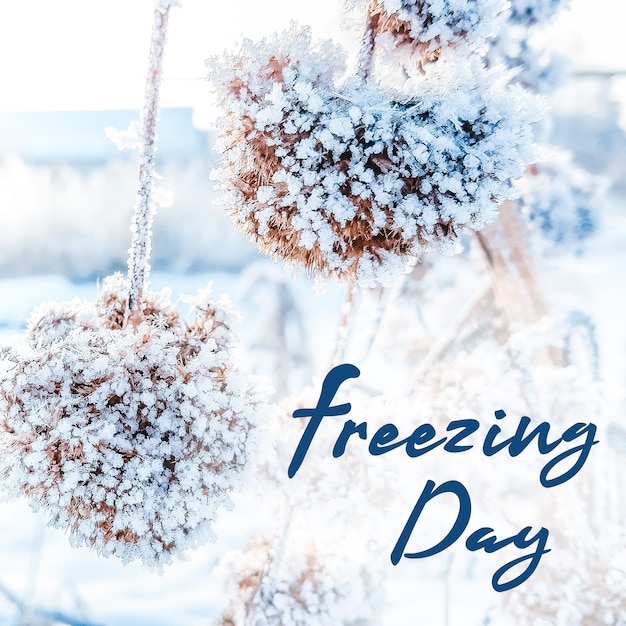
{"x":132,"y":437}
{"x":139,"y":253}
{"x":165,"y":5}
{"x":436,"y":22}
{"x":127,"y":139}
{"x":370,"y":175}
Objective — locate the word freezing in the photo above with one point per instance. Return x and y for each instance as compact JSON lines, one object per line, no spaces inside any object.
{"x":420,"y":441}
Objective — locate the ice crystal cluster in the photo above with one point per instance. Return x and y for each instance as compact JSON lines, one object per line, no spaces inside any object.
{"x":130,"y":435}
{"x":428,"y":25}
{"x":560,"y":199}
{"x":351,"y":179}
{"x":298,"y":587}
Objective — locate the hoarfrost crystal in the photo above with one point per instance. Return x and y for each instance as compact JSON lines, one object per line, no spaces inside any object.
{"x":348,"y":179}
{"x":431,"y":24}
{"x":132,"y":436}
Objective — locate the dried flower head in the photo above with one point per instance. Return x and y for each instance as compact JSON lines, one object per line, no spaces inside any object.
{"x":298,"y":587}
{"x":132,"y":436}
{"x":353,"y":179}
{"x":427,"y":26}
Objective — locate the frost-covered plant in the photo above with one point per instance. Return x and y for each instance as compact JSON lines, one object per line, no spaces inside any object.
{"x":351,"y":179}
{"x":304,"y":574}
{"x":429,"y":25}
{"x":321,"y":483}
{"x":128,"y":424}
{"x":132,"y":436}
{"x":298,"y":587}
{"x":559,"y":199}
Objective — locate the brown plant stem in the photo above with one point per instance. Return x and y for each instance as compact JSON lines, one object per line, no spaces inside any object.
{"x":514,"y":280}
{"x":506,"y":251}
{"x":141,"y":227}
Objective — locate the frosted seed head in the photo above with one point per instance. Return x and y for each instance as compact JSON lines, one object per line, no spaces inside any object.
{"x":101,"y":430}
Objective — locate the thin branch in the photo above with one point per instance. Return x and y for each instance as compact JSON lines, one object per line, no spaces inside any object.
{"x":454,"y":332}
{"x":366,"y":53}
{"x":139,"y":254}
{"x":343,"y":327}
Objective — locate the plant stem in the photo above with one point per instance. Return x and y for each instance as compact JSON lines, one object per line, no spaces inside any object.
{"x":366,"y":53}
{"x":141,"y":227}
{"x":343,"y":327}
{"x":505,"y":247}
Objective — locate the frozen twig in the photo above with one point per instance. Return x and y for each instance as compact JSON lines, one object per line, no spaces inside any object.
{"x":380,"y":308}
{"x":514,"y":281}
{"x":264,"y":597}
{"x":366,"y":53}
{"x":139,"y":254}
{"x":343,"y":328}
{"x":515,"y":285}
{"x":581,"y":321}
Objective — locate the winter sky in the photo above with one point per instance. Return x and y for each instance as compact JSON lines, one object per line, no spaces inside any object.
{"x":72,"y":54}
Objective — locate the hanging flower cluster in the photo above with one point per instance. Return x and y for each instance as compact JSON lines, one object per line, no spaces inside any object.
{"x":559,"y":199}
{"x":429,"y":25}
{"x":131,"y":435}
{"x":352,"y":179}
{"x":298,"y":587}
